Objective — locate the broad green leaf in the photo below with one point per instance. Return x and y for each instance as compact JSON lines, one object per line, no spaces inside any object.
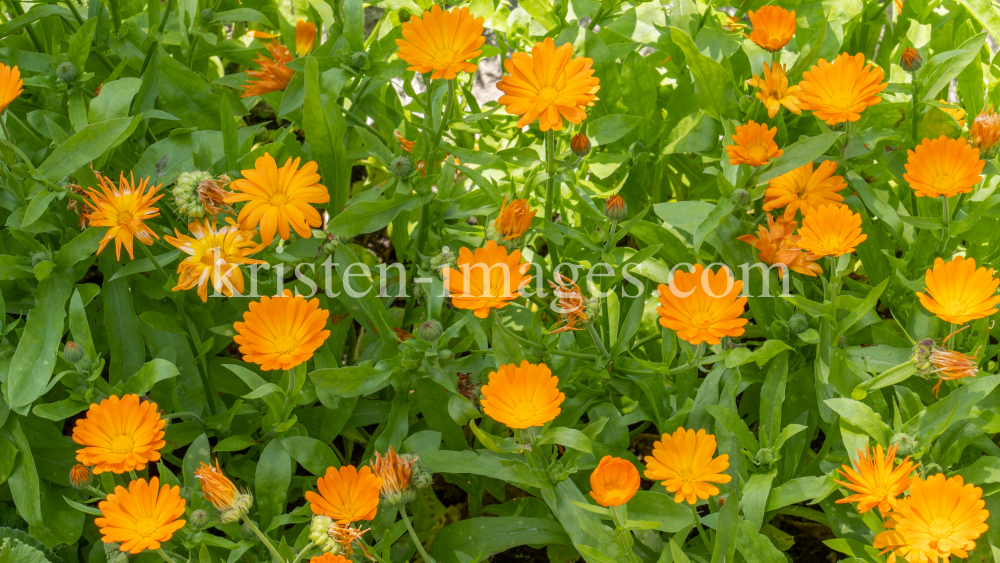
{"x":273,"y":477}
{"x":370,"y":216}
{"x":944,"y":67}
{"x":610,"y":128}
{"x":754,"y":499}
{"x":728,"y":526}
{"x":713,"y":83}
{"x":353,"y":381}
{"x":799,"y":154}
{"x":862,"y":416}
{"x":489,"y":535}
{"x":243,"y":15}
{"x":24,"y":486}
{"x":115,"y":100}
{"x":310,"y":453}
{"x":149,"y":375}
{"x":90,"y":143}
{"x":732,"y":422}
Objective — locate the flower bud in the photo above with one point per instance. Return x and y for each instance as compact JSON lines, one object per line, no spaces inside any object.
{"x":430,"y":330}
{"x":401,"y":166}
{"x":444,"y":258}
{"x":580,"y":145}
{"x":185,"y":192}
{"x":84,"y":365}
{"x":80,"y":476}
{"x":38,"y":257}
{"x":798,"y":323}
{"x":207,"y":15}
{"x":910,"y":60}
{"x":186,"y":493}
{"x":73,"y":352}
{"x":615,"y":208}
{"x":921,"y":357}
{"x":318,"y":533}
{"x":359,"y":61}
{"x":905,"y":444}
{"x":446,"y":357}
{"x":765,"y":457}
{"x":420,"y":478}
{"x":740,"y":197}
{"x":66,"y":72}
{"x":199,"y":519}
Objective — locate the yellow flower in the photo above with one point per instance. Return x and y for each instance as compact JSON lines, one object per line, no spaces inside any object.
{"x":774,"y":90}
{"x":487,"y":279}
{"x":954,"y":111}
{"x":214,"y":255}
{"x":805,"y":189}
{"x":442,"y":42}
{"x":142,"y":516}
{"x":614,"y":482}
{"x":773,"y":27}
{"x":273,"y":75}
{"x":943,"y":167}
{"x":702,"y":306}
{"x":839,"y":91}
{"x":346,"y":495}
{"x":831,"y":230}
{"x":875,"y":481}
{"x":281,"y":332}
{"x":754,"y":145}
{"x":684,"y":462}
{"x":10,"y":85}
{"x":305,"y":36}
{"x":119,"y":435}
{"x":123,"y":209}
{"x":941,"y":518}
{"x":958,"y":292}
{"x":522,"y":396}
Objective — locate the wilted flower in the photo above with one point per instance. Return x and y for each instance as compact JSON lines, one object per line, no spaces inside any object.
{"x":910,"y":60}
{"x":80,"y":476}
{"x":571,"y":304}
{"x":394,"y":471}
{"x":222,"y":493}
{"x":984,"y":134}
{"x":773,"y":27}
{"x":875,"y":481}
{"x":684,"y":462}
{"x":511,"y":223}
{"x":197,"y":194}
{"x":949,"y":365}
{"x":776,"y":244}
{"x":273,"y":75}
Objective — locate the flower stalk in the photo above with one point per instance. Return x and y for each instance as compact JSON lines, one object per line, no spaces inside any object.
{"x":550,"y":187}
{"x":264,"y":539}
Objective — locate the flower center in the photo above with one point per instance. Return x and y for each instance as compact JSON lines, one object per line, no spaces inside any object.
{"x":285,"y":344}
{"x":757,"y":151}
{"x":121,"y":445}
{"x":279,"y":199}
{"x":444,"y":57}
{"x":943,"y":183}
{"x":842,"y":102}
{"x":548,"y":95}
{"x":124,"y":217}
{"x":524,"y":411}
{"x":940,"y":528}
{"x":145,"y":527}
{"x":702,"y":320}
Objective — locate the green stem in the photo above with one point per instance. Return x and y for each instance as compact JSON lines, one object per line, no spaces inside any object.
{"x":445,"y":120}
{"x":115,"y":14}
{"x":913,"y":111}
{"x":413,"y":535}
{"x":263,"y":538}
{"x":621,"y":532}
{"x":834,"y":287}
{"x":946,"y":215}
{"x":305,"y":549}
{"x":164,"y":555}
{"x":286,"y":409}
{"x":526,"y":342}
{"x":597,"y":340}
{"x":95,"y":491}
{"x":647,"y":340}
{"x":701,"y":530}
{"x":550,"y":187}
{"x":596,"y":19}
{"x":611,"y":236}
{"x":153,"y":41}
{"x":185,"y":414}
{"x":133,"y":475}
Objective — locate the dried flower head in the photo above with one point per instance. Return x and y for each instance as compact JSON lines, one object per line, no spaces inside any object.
{"x":570,"y":304}
{"x":394,"y":470}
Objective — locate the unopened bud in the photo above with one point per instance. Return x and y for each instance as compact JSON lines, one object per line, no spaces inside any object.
{"x":797,"y":323}
{"x":430,"y":330}
{"x":921,"y":357}
{"x":359,"y":61}
{"x":80,"y":476}
{"x":73,"y":352}
{"x":207,"y":15}
{"x":740,"y":197}
{"x":910,"y":60}
{"x":615,"y":208}
{"x":765,"y":457}
{"x":401,"y":166}
{"x":420,"y":478}
{"x":905,"y":444}
{"x":66,"y":72}
{"x":199,"y":519}
{"x":446,"y":357}
{"x":580,"y":145}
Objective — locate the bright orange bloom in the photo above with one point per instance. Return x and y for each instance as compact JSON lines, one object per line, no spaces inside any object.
{"x":943,"y":167}
{"x":773,"y":27}
{"x":702,"y":306}
{"x":279,"y":197}
{"x":777,"y":245}
{"x":955,"y":111}
{"x":119,"y":435}
{"x":514,"y":219}
{"x":142,"y":517}
{"x":522,"y":396}
{"x":281,"y":332}
{"x":572,"y":305}
{"x":831,"y":230}
{"x":684,"y":462}
{"x":273,"y":75}
{"x":548,"y":85}
{"x":958,"y":292}
{"x":614,"y":482}
{"x":10,"y":85}
{"x":840,"y":91}
{"x":329,"y":558}
{"x":346,"y":495}
{"x":805,"y":189}
{"x":941,"y":518}
{"x":894,"y":543}
{"x":774,"y":90}
{"x":80,"y":476}
{"x":216,"y":487}
{"x":875,"y":481}
{"x":123,"y":209}
{"x":486,"y":279}
{"x":305,"y":36}
{"x":442,"y":42}
{"x":984,"y":134}
{"x":214,"y":255}
{"x":754,"y":145}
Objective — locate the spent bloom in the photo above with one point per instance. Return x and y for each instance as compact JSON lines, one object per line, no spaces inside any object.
{"x":119,"y":435}
{"x":214,"y":256}
{"x":805,"y":188}
{"x":773,"y":27}
{"x":511,"y":223}
{"x":395,"y":472}
{"x":197,"y":194}
{"x":522,"y":396}
{"x":839,"y":91}
{"x":684,"y":462}
{"x":943,"y":167}
{"x":947,"y":365}
{"x":222,"y":493}
{"x":776,"y":245}
{"x":984,"y":133}
{"x":614,"y":482}
{"x":486,"y":279}
{"x":753,"y":145}
{"x":958,"y":292}
{"x":142,"y":516}
{"x":702,"y":305}
{"x":123,"y":209}
{"x":831,"y":230}
{"x":571,"y":304}
{"x":281,"y":332}
{"x":273,"y":75}
{"x":442,"y":42}
{"x":774,"y":91}
{"x":346,"y":495}
{"x":876,"y":480}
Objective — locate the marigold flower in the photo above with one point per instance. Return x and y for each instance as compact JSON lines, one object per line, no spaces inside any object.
{"x":831,"y":230}
{"x":754,"y":145}
{"x":804,"y":189}
{"x":346,"y":495}
{"x":548,"y":85}
{"x":773,"y":27}
{"x":984,"y":134}
{"x":522,"y":396}
{"x":777,"y":245}
{"x":943,"y":167}
{"x":279,"y":197}
{"x":684,"y":462}
{"x":511,"y":223}
{"x":702,"y":305}
{"x":442,"y":42}
{"x":80,"y":476}
{"x":774,"y":90}
{"x":615,"y":208}
{"x":329,"y":558}
{"x":305,"y":37}
{"x":486,"y":279}
{"x":141,"y":517}
{"x":910,"y":60}
{"x":119,"y":435}
{"x":941,"y":518}
{"x":839,"y":91}
{"x":281,"y":332}
{"x":273,"y":75}
{"x":571,"y":304}
{"x":214,"y":255}
{"x":394,"y":470}
{"x":894,"y":543}
{"x":123,"y":209}
{"x":10,"y":85}
{"x":875,"y":481}
{"x":216,"y":487}
{"x":958,"y":292}
{"x":955,"y":111}
{"x":614,"y":482}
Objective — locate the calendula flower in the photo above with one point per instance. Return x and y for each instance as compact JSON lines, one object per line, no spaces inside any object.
{"x":615,"y":208}
{"x":442,"y":42}
{"x":876,"y":480}
{"x":214,"y":255}
{"x":831,"y":230}
{"x":702,"y":305}
{"x":486,"y":279}
{"x":839,"y":91}
{"x":548,"y":85}
{"x":273,"y":75}
{"x":522,"y":396}
{"x":216,"y":487}
{"x":773,"y":27}
{"x":754,"y":145}
{"x":941,"y":518}
{"x":394,"y":470}
{"x":943,"y":167}
{"x":774,"y":90}
{"x":684,"y":463}
{"x":119,"y":435}
{"x":894,"y":543}
{"x":984,"y":134}
{"x":777,"y":245}
{"x":281,"y":332}
{"x":804,"y":189}
{"x":571,"y":305}
{"x":329,"y":558}
{"x":80,"y":476}
{"x":910,"y":60}
{"x":10,"y":85}
{"x":403,"y":143}
{"x":954,"y":111}
{"x":511,"y":223}
{"x":958,"y":292}
{"x":614,"y":482}
{"x":141,"y":517}
{"x":123,"y":209}
{"x":346,"y":495}
{"x":279,"y":197}
{"x":305,"y":36}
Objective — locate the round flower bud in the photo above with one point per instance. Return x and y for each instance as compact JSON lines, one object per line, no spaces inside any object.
{"x":73,"y":352}
{"x":199,"y":519}
{"x":229,"y":516}
{"x":359,"y":61}
{"x":921,"y":357}
{"x":910,"y":60}
{"x":401,"y":166}
{"x":420,"y":478}
{"x":905,"y":444}
{"x":317,"y":530}
{"x":248,"y":533}
{"x":207,"y":15}
{"x":446,"y":357}
{"x":430,"y":330}
{"x":84,"y":365}
{"x":580,"y":145}
{"x":765,"y":456}
{"x":615,"y":208}
{"x":444,"y":258}
{"x":798,"y":323}
{"x":185,"y":192}
{"x":80,"y":476}
{"x":66,"y":72}
{"x":740,"y":197}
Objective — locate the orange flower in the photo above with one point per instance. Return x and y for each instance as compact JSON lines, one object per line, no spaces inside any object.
{"x":775,"y":91}
{"x":329,"y":558}
{"x":958,"y":292}
{"x":395,"y":471}
{"x":572,"y":306}
{"x":773,"y":27}
{"x":522,"y":396}
{"x":142,"y":517}
{"x":840,"y":91}
{"x":486,"y":279}
{"x":954,"y":111}
{"x":123,"y":209}
{"x":941,"y":518}
{"x":684,"y":462}
{"x":548,"y":85}
{"x":279,"y":197}
{"x":80,"y":476}
{"x":273,"y":75}
{"x":216,"y":487}
{"x":910,"y":60}
{"x":214,"y":255}
{"x":804,"y":189}
{"x":943,"y":167}
{"x":119,"y":435}
{"x":442,"y":42}
{"x":511,"y":223}
{"x":754,"y":145}
{"x":614,"y":482}
{"x":403,"y":143}
{"x":831,"y":230}
{"x":10,"y":85}
{"x":894,"y":543}
{"x":261,"y":34}
{"x":281,"y":332}
{"x":777,"y":245}
{"x":874,"y":480}
{"x":305,"y":36}
{"x":984,"y":134}
{"x":702,"y":305}
{"x":347,"y":495}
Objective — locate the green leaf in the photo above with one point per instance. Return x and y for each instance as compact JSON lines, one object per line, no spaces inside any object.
{"x":944,"y":67}
{"x":273,"y":477}
{"x":353,"y":381}
{"x":608,"y":129}
{"x":806,"y":150}
{"x":728,"y":525}
{"x":986,"y":13}
{"x":374,"y":146}
{"x":234,"y":444}
{"x":861,"y":310}
{"x":311,"y":454}
{"x":713,"y":83}
{"x":127,"y":348}
{"x":733,"y":423}
{"x":754,"y":499}
{"x":82,"y":507}
{"x":660,"y":507}
{"x":24,"y":486}
{"x":772,"y":396}
{"x":242,"y":15}
{"x":541,"y":12}
{"x":149,"y":375}
{"x":197,"y":453}
{"x":505,"y":532}
{"x":506,"y":350}
{"x":354,"y":24}
{"x":36,"y":13}
{"x":568,"y":437}
{"x":862,"y":416}
{"x":143,"y":265}
{"x":115,"y":99}
{"x":87,"y":145}
{"x":370,"y":216}
{"x":756,"y":547}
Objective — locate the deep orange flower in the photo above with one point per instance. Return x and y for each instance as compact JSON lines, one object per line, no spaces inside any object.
{"x":958,"y":292}
{"x":305,"y":37}
{"x":910,"y":59}
{"x":580,"y":145}
{"x":442,"y":42}
{"x":214,"y":255}
{"x":513,"y":220}
{"x":123,"y":209}
{"x":831,"y":230}
{"x":329,"y":558}
{"x":548,"y":85}
{"x":216,"y":487}
{"x":486,"y":279}
{"x":941,"y":518}
{"x":805,"y":189}
{"x":273,"y":75}
{"x":774,"y":90}
{"x":839,"y":91}
{"x":777,"y":245}
{"x":875,"y":481}
{"x":141,"y":517}
{"x":261,"y":34}
{"x":754,"y":145}
{"x":614,"y":482}
{"x":571,"y":306}
{"x":943,"y":167}
{"x":702,"y":306}
{"x":773,"y":27}
{"x":119,"y":435}
{"x":955,"y":111}
{"x":522,"y":396}
{"x":80,"y":476}
{"x":684,"y":462}
{"x":346,"y":495}
{"x":984,"y":134}
{"x":894,"y":544}
{"x":281,"y":332}
{"x":10,"y":85}
{"x":403,"y":143}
